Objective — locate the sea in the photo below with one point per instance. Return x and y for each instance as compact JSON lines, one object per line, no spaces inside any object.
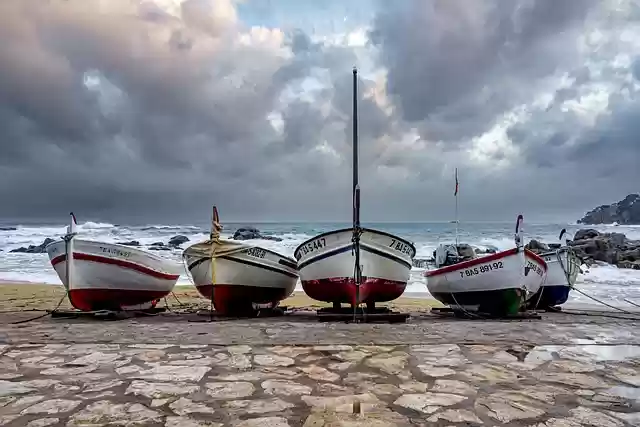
{"x":603,"y":282}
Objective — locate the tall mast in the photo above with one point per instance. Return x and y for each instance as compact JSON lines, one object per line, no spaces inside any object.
{"x":356,"y":196}
{"x":356,"y":187}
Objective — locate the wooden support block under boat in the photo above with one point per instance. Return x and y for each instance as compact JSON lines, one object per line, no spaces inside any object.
{"x":106,"y":314}
{"x":477,"y":315}
{"x":362,"y":315}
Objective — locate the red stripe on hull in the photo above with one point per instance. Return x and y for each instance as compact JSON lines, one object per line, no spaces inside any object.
{"x":111,"y":299}
{"x":238,"y":299}
{"x":118,"y":262}
{"x":482,"y":260}
{"x":343,"y":290}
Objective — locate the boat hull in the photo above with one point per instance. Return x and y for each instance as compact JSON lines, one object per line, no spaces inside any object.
{"x":555,"y":290}
{"x":113,"y":277}
{"x":327,"y":263}
{"x":242,"y":279}
{"x":493,"y":283}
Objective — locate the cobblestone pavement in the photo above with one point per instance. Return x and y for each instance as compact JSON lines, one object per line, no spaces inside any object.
{"x":169,"y":372}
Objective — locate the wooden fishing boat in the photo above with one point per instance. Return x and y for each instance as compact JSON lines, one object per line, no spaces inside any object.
{"x":355,"y":265}
{"x":235,"y":276}
{"x":499,"y":283}
{"x":108,"y":276}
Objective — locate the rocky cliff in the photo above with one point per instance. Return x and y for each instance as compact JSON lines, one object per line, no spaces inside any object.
{"x":626,"y":211}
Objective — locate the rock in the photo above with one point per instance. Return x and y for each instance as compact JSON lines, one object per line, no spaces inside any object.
{"x":258,"y":406}
{"x":263,"y":422}
{"x":130,"y":243}
{"x":506,"y":407}
{"x":272,"y":360}
{"x":537,"y":247}
{"x":184,"y":406}
{"x":285,"y":388}
{"x":159,"y":246}
{"x":172,"y":373}
{"x":626,"y":211}
{"x":391,"y":363}
{"x":488,"y":249}
{"x":230,"y":390}
{"x":53,"y":406}
{"x":160,"y":390}
{"x":106,"y":412}
{"x":319,"y":373}
{"x":249,"y":232}
{"x":612,"y":248}
{"x":428,"y":403}
{"x":32,"y":249}
{"x":176,"y":241}
{"x":586,"y":233}
{"x":8,"y":388}
{"x":43,"y":422}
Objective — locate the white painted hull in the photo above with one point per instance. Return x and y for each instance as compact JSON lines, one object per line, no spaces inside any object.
{"x":113,"y":276}
{"x":327,"y":261}
{"x":249,"y":275}
{"x":555,"y":273}
{"x":496,"y":272}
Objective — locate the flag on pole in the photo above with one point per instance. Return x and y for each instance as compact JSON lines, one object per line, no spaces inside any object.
{"x":456,"y":192}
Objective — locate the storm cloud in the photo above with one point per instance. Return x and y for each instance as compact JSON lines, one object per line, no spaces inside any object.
{"x":151,"y":111}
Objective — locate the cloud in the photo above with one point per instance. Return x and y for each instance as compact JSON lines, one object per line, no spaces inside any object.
{"x":151,"y":111}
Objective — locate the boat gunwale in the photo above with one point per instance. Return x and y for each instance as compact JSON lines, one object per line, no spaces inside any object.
{"x":481,"y":260}
{"x":293,"y":261}
{"x":133,"y":249}
{"x":371,"y":230}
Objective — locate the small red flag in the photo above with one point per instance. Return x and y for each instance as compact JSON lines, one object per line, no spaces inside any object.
{"x":456,"y":192}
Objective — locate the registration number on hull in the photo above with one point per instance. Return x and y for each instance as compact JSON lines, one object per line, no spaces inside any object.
{"x":116,"y":252}
{"x":474,"y":271}
{"x":534,"y":267}
{"x":256,"y":252}
{"x":311,"y":247}
{"x":401,"y":247}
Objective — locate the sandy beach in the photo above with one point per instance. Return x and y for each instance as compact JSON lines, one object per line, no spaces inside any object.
{"x":26,"y":296}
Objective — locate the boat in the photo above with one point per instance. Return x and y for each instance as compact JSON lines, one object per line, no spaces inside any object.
{"x":498,"y":283}
{"x":563,"y":266}
{"x":236,"y":277}
{"x":109,"y":276}
{"x":355,"y":265}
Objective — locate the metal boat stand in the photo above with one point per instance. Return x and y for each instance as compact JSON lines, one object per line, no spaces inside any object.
{"x":368,"y":314}
{"x":106,"y":314}
{"x":459,"y":313}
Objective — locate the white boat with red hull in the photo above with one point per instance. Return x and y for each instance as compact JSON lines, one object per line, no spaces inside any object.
{"x":326,"y":266}
{"x":499,"y":283}
{"x":108,"y":276}
{"x":235,"y":276}
{"x":355,"y":265}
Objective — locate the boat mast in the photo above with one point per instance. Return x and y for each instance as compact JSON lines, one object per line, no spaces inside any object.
{"x":356,"y":193}
{"x":456,"y":196}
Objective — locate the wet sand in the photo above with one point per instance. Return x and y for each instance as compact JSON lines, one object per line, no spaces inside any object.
{"x":179,"y":369}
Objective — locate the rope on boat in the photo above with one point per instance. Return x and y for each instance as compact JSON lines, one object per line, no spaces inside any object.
{"x":45,"y":314}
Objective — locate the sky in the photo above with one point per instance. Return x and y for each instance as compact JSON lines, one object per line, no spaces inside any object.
{"x":155,"y":110}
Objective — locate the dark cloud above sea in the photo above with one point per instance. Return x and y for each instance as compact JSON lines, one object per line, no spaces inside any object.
{"x":154,"y":110}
